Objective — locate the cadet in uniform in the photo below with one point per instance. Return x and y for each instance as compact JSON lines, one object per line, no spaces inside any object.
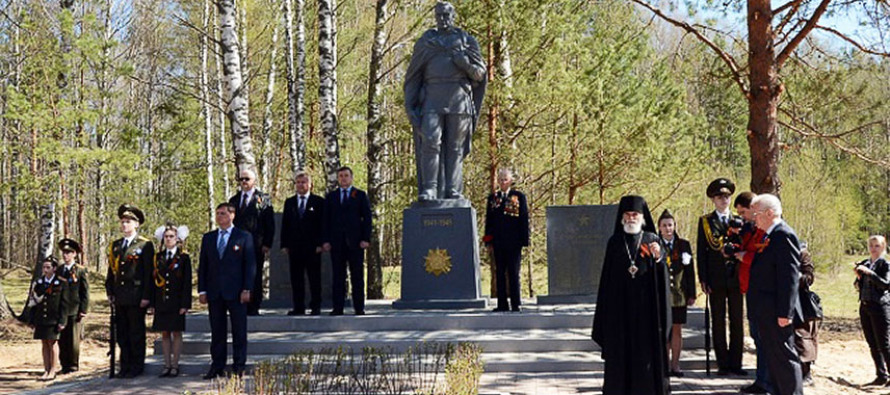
{"x":678,"y":255}
{"x":79,"y":304}
{"x":129,"y":271}
{"x":48,"y":301}
{"x":171,"y":293}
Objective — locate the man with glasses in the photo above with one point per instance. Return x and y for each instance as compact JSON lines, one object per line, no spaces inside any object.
{"x":719,"y":278}
{"x":254,"y":214}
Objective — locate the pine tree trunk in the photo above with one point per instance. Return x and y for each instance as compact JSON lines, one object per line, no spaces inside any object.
{"x":208,"y":115}
{"x":296,"y":82}
{"x":236,"y":111}
{"x":327,"y":89}
{"x":267,"y":108}
{"x":763,"y":139}
{"x":375,"y":148}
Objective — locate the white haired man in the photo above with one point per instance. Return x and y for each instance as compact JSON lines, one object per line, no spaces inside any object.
{"x":254,"y":214}
{"x":773,"y":294}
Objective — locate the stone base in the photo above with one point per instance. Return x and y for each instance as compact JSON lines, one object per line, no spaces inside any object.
{"x":279,"y":277}
{"x":566,"y":299}
{"x":439,"y":304}
{"x":440,"y":259}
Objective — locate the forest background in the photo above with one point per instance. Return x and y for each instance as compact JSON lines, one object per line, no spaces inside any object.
{"x":104,"y":102}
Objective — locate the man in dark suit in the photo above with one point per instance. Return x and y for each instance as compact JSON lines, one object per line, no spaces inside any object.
{"x":301,"y":227}
{"x":347,"y":233}
{"x":773,"y":295}
{"x":254,"y":214}
{"x":130,"y":261}
{"x":225,"y":278}
{"x":719,"y":278}
{"x":506,"y":232}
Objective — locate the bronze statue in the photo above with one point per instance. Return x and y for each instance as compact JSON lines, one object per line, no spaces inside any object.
{"x":444,"y":87}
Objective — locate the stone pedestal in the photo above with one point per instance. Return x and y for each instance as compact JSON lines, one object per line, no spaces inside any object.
{"x":279,"y":277}
{"x":440,"y":259}
{"x":576,"y":245}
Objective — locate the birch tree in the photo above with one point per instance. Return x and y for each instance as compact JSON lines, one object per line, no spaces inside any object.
{"x":375,"y":148}
{"x":268,"y":119}
{"x":296,"y":81}
{"x":236,"y":110}
{"x":208,"y":114}
{"x":327,"y":89}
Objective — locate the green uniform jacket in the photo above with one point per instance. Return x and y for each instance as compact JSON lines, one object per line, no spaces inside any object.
{"x":78,"y":288}
{"x":51,"y":310}
{"x":129,"y":271}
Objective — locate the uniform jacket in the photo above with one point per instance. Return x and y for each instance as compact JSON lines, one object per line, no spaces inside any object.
{"x":714,"y":269}
{"x":302,"y":233}
{"x":257,"y":218}
{"x":682,"y":277}
{"x":171,"y":285}
{"x":129,"y":271}
{"x":506,"y":221}
{"x":348,"y":222}
{"x":225,"y":277}
{"x":775,"y":277}
{"x":78,"y":288}
{"x":51,"y":309}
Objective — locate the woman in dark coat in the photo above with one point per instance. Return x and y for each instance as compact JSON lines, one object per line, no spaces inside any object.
{"x":48,"y":301}
{"x":806,"y":334}
{"x":873,"y":281}
{"x":678,"y":258}
{"x":171,"y":293}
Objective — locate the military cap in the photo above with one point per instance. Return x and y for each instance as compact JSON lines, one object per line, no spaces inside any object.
{"x":720,"y":186}
{"x":69,"y":245}
{"x":132,"y":212}
{"x":665,"y":215}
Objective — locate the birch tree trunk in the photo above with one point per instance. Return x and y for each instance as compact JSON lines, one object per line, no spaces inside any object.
{"x":327,"y":89}
{"x":267,"y":111}
{"x":236,"y":110}
{"x":208,"y":115}
{"x":296,"y":82}
{"x":223,"y":152}
{"x":375,"y":148}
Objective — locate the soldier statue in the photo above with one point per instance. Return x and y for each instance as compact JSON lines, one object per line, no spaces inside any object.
{"x":444,"y":87}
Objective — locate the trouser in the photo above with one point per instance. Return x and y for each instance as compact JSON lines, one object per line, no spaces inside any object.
{"x":69,"y":344}
{"x":130,"y":323}
{"x":441,"y":145}
{"x":781,"y":355}
{"x":728,"y":358}
{"x":237,"y":313}
{"x":875,"y":320}
{"x":507,"y":262}
{"x":305,"y":264}
{"x":256,"y":294}
{"x":353,"y":259}
{"x":762,"y":378}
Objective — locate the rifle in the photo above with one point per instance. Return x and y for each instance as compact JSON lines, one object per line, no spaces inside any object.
{"x":708,"y":333}
{"x":112,"y":341}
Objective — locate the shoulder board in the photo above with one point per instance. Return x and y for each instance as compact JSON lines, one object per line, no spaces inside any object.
{"x":142,"y":238}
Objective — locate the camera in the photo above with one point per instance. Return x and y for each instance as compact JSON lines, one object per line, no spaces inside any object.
{"x":729,"y":249}
{"x":736,"y":223}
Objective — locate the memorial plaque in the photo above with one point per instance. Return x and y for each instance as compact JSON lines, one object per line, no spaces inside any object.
{"x":440,"y":259}
{"x":576,"y":245}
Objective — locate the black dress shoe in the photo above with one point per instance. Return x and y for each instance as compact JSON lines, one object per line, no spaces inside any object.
{"x":723,"y":372}
{"x":676,"y":373}
{"x":316,"y":312}
{"x":135,"y":373}
{"x":122,"y":374}
{"x":516,"y":309}
{"x":880,"y":381}
{"x":174,"y":372}
{"x":165,"y":372}
{"x":66,"y":371}
{"x":296,"y":312}
{"x":500,"y":310}
{"x":336,"y":312}
{"x":212,"y":374}
{"x":360,"y":312}
{"x":738,"y":372}
{"x":752,"y":389}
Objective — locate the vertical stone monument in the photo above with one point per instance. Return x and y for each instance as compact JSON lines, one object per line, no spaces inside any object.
{"x":279,"y":277}
{"x":576,"y":245}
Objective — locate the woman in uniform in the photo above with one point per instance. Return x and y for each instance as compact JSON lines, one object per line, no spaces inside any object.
{"x":48,"y":302}
{"x":682,"y":281}
{"x":171,"y":293}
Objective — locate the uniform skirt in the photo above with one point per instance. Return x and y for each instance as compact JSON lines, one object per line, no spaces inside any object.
{"x":678,"y":314}
{"x":168,"y":321}
{"x":46,"y":332}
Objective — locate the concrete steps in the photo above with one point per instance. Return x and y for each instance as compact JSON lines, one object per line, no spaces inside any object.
{"x":540,"y":339}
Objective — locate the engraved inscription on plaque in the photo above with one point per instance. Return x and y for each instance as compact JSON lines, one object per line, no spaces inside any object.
{"x":437,"y":221}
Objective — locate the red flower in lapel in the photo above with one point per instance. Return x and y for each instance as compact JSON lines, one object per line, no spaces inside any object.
{"x":353,"y":193}
{"x":761,"y":246}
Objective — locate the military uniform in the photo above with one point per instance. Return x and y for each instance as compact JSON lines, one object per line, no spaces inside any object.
{"x":255,"y":215}
{"x":507,"y":231}
{"x":129,"y":272}
{"x":51,"y":297}
{"x":171,"y":289}
{"x":75,"y":276}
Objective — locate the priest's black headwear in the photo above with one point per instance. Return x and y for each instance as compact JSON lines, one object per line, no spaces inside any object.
{"x":638,"y":204}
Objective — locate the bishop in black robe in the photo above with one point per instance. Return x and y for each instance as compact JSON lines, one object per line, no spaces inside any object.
{"x":632,"y":319}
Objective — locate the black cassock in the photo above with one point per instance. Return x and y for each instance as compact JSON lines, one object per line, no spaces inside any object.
{"x":631,"y":322}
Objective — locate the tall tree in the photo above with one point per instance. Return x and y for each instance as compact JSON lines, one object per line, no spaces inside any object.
{"x":327,"y":88}
{"x":296,"y":81}
{"x":774,"y":34}
{"x":208,"y":114}
{"x":236,"y":110}
{"x":375,"y":148}
{"x":268,"y":118}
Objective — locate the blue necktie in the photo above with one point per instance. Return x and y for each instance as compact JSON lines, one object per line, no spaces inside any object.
{"x":221,"y":244}
{"x":342,"y":196}
{"x":302,"y":206}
